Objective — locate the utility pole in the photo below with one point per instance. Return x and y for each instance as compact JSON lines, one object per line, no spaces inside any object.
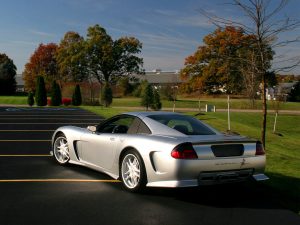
{"x":228,"y":112}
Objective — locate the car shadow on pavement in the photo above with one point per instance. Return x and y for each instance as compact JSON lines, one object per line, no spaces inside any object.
{"x":249,"y":194}
{"x":238,"y":195}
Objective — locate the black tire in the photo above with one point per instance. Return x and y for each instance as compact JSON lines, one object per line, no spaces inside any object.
{"x":61,"y":150}
{"x":134,"y":181}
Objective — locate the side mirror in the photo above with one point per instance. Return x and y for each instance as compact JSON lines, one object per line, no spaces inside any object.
{"x":92,"y":128}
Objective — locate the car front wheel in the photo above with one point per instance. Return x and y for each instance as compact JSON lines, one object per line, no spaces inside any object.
{"x":132,"y":171}
{"x":61,"y":149}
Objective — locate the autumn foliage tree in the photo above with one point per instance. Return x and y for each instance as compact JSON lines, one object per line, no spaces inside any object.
{"x":216,"y":63}
{"x":41,"y":63}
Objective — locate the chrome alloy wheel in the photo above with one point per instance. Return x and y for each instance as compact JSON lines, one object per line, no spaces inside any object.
{"x":131,"y":171}
{"x":61,"y":150}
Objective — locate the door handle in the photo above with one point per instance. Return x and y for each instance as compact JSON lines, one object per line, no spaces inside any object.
{"x":112,"y":139}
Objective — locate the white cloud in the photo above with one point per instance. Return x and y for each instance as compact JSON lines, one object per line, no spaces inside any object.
{"x":194,"y":21}
{"x":42,"y":33}
{"x":167,"y":41}
{"x":166,"y":12}
{"x":24,"y":43}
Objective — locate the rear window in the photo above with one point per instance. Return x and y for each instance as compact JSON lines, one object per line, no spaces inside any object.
{"x":184,"y":124}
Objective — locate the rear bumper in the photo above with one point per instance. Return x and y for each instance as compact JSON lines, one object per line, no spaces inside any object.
{"x":164,"y":171}
{"x":212,"y":178}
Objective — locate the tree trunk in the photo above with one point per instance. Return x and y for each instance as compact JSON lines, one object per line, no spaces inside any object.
{"x":264,"y":108}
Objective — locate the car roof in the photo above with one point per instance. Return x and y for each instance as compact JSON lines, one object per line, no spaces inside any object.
{"x":143,"y":114}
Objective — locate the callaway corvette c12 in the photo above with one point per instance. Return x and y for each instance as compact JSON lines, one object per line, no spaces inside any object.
{"x":160,"y":149}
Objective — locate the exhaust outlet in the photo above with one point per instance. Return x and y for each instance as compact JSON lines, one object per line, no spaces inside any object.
{"x":260,"y":177}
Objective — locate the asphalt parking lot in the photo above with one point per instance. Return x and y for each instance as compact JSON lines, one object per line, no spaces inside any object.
{"x":36,"y":190}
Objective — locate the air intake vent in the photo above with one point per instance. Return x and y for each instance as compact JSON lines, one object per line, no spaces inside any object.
{"x":228,"y":150}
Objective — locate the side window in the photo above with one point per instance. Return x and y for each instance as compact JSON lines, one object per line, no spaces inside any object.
{"x":143,"y":129}
{"x":138,"y":127}
{"x":119,"y":125}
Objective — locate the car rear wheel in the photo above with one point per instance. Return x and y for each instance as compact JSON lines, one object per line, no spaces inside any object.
{"x":132,"y":171}
{"x":61,"y":149}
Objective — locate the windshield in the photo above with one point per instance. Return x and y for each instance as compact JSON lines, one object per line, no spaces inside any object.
{"x":184,"y":124}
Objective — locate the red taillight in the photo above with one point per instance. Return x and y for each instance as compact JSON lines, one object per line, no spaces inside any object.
{"x":259,"y":149}
{"x":184,"y":151}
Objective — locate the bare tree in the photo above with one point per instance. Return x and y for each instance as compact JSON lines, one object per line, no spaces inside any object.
{"x":251,"y":81}
{"x":265,"y":27}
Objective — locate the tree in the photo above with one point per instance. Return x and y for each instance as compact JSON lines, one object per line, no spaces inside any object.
{"x":215,"y":64}
{"x":41,"y":63}
{"x":125,"y":86}
{"x":106,"y":95}
{"x":294,"y":95}
{"x":265,"y":26}
{"x":147,"y":97}
{"x":56,"y":98}
{"x":156,"y":104}
{"x":71,"y":60}
{"x":76,"y":98}
{"x":140,"y":88}
{"x":40,"y":93}
{"x":7,"y":75}
{"x":108,"y":59}
{"x":30,"y":99}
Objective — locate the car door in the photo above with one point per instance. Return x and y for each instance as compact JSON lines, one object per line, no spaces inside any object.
{"x":99,"y":148}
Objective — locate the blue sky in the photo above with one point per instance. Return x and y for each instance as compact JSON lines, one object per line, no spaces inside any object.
{"x":170,"y":30}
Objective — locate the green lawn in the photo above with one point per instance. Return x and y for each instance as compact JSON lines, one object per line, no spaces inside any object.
{"x":14,"y":100}
{"x":220,"y":103}
{"x":193,"y":103}
{"x":283,"y":154}
{"x":105,"y":112}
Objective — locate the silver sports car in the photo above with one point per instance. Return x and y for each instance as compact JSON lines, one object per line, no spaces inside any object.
{"x":160,"y":149}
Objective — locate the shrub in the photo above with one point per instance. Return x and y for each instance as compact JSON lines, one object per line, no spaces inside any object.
{"x":55,"y":94}
{"x":76,"y":98}
{"x":66,"y":101}
{"x":106,"y":96}
{"x":40,"y":93}
{"x":147,"y":97}
{"x":30,"y":99}
{"x":49,"y":102}
{"x":156,"y":104}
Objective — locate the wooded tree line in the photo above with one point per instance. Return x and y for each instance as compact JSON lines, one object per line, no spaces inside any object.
{"x":7,"y":75}
{"x":95,"y":58}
